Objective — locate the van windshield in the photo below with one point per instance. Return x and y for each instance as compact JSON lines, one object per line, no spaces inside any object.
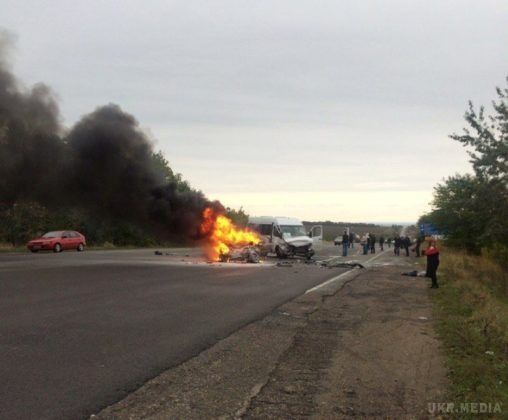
{"x":293,"y":230}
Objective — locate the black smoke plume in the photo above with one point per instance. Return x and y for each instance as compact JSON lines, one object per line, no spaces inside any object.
{"x":104,"y":165}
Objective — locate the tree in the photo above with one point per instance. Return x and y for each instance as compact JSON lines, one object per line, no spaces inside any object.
{"x":239,"y":217}
{"x":22,"y":221}
{"x":488,"y":138}
{"x":472,"y":210}
{"x":165,"y":174}
{"x":161,"y":167}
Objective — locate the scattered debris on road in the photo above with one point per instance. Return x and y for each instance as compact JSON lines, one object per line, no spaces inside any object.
{"x":166,"y":253}
{"x":285,"y":264}
{"x":338,"y":262}
{"x":414,"y":273}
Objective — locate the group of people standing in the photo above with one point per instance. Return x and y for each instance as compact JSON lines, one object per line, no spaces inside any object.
{"x":368,"y":244}
{"x":403,"y":242}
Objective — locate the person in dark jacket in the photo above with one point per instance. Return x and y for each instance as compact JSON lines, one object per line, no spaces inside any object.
{"x":381,"y":242}
{"x":372,"y":243}
{"x":419,"y":241}
{"x":432,"y":254}
{"x":396,"y":245}
{"x":351,"y":240}
{"x":345,"y":244}
{"x":406,"y":243}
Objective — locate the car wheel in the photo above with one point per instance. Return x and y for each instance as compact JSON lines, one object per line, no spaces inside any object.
{"x":81,"y":247}
{"x":280,"y":253}
{"x":57,"y":248}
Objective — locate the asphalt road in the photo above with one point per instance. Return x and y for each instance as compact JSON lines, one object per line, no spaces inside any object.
{"x":79,"y":331}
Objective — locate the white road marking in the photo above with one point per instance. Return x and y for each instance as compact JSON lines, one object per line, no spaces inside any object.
{"x":319,"y":286}
{"x":344,"y":274}
{"x":376,"y":256}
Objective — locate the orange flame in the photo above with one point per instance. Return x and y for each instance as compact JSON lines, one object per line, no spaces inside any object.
{"x":222,"y":234}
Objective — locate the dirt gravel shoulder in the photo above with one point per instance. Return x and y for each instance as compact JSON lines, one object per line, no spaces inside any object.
{"x":370,"y":351}
{"x":365,"y":349}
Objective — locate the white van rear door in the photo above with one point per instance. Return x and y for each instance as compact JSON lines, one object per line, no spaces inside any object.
{"x":317,"y":235}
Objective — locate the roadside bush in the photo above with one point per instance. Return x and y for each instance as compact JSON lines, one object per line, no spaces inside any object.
{"x":497,"y":252}
{"x":471,"y":309}
{"x":22,"y":221}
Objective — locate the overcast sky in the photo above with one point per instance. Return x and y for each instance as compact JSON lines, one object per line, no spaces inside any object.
{"x":336,"y":110}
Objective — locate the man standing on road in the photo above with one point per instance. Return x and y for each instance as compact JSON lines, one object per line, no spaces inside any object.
{"x":364,"y":242}
{"x":345,"y":243}
{"x":418,"y":244}
{"x":405,"y":243}
{"x":372,"y":243}
{"x":396,"y":246}
{"x":381,"y":242}
{"x":351,"y":240}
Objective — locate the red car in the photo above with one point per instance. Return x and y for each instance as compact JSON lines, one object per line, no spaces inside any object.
{"x":58,"y":241}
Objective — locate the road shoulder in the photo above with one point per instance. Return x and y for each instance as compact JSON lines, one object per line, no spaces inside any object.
{"x":364,"y":348}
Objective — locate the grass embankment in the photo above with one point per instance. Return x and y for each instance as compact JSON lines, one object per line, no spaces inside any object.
{"x":9,"y":248}
{"x":471,"y":308}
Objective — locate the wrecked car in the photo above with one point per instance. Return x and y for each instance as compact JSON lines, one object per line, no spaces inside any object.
{"x":286,"y":236}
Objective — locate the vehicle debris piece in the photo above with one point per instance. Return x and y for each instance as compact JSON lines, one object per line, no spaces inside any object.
{"x":285,"y":264}
{"x":414,"y":273}
{"x":337,"y":262}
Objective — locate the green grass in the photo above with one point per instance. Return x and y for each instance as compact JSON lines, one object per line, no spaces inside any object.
{"x":471,"y":309}
{"x":9,"y":248}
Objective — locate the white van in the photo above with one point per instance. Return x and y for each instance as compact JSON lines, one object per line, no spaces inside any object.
{"x":285,"y":236}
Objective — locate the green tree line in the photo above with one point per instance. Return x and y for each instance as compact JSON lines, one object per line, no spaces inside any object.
{"x":27,"y":218}
{"x":472,"y":209}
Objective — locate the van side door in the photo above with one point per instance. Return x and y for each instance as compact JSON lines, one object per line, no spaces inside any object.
{"x":317,"y":236}
{"x":276,"y":236}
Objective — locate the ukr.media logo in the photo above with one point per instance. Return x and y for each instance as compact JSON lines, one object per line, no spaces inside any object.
{"x":464,"y":408}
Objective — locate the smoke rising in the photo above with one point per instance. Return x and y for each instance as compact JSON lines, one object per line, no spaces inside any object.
{"x":104,"y":165}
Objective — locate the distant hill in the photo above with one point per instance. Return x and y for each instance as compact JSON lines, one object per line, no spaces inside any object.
{"x":333,"y":229}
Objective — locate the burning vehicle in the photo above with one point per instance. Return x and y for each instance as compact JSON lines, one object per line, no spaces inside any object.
{"x":226,"y":242}
{"x":285,"y":236}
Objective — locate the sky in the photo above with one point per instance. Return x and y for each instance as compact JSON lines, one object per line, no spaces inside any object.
{"x":321,"y":110}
